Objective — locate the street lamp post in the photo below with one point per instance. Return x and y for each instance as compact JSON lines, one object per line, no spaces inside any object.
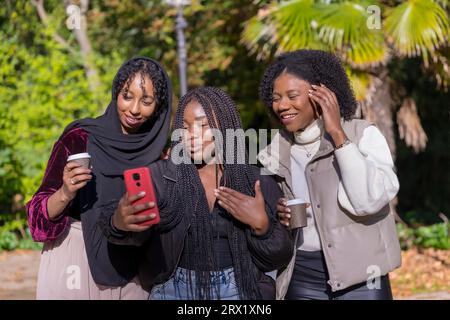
{"x":180,"y":25}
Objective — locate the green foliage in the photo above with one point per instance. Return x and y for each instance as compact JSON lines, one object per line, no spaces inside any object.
{"x":43,"y":89}
{"x":417,"y":27}
{"x":44,"y":85}
{"x":351,"y":28}
{"x":8,"y":240}
{"x":14,"y":234}
{"x":435,"y":236}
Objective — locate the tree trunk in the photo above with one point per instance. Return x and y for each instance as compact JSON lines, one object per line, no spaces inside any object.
{"x":379,"y":108}
{"x":82,"y":39}
{"x":85,"y":45}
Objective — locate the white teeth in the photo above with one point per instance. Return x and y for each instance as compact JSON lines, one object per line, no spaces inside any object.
{"x":288,"y":116}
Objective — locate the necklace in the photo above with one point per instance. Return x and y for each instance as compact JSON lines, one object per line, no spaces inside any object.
{"x":309,"y":136}
{"x":308,"y":151}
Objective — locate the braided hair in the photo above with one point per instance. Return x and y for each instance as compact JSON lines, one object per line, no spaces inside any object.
{"x":314,"y":66}
{"x":143,"y":67}
{"x":188,"y":196}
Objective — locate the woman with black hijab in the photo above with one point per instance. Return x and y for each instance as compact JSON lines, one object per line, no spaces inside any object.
{"x":77,"y":261}
{"x":218,"y":231}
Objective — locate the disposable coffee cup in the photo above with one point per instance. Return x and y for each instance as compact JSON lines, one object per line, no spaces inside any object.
{"x":84,"y":159}
{"x":298,"y":213}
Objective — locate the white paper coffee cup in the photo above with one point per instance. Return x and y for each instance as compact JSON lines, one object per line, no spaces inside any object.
{"x":83,"y":158}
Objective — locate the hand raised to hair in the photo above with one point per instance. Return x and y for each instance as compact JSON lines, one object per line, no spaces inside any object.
{"x":330,"y":111}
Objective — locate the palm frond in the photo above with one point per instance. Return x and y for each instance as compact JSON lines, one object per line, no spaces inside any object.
{"x":417,"y":27}
{"x":360,"y":82}
{"x":439,"y":67}
{"x":285,"y":26}
{"x":259,"y":36}
{"x":296,"y":23}
{"x":344,"y":28}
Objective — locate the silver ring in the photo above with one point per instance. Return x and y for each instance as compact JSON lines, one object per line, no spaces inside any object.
{"x":71,"y":181}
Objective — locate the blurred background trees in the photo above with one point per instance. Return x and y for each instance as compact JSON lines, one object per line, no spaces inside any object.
{"x":52,"y":74}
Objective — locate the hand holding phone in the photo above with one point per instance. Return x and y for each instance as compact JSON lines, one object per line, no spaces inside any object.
{"x":125,"y":217}
{"x":137,"y":209}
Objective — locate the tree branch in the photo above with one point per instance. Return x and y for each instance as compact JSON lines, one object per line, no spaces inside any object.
{"x":85,"y":45}
{"x":39,"y":4}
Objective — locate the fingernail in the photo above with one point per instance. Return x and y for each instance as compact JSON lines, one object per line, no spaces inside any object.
{"x":288,"y":210}
{"x":142,"y":193}
{"x":288,"y":215}
{"x":221,"y":188}
{"x":314,"y":86}
{"x":152,"y":216}
{"x":151,"y":204}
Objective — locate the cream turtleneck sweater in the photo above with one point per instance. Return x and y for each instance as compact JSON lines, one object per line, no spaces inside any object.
{"x":306,"y":145}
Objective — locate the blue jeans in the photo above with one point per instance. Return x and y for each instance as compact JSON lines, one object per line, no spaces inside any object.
{"x":178,"y":288}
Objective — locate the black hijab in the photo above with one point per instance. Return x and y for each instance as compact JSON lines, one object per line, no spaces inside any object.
{"x":111,"y":153}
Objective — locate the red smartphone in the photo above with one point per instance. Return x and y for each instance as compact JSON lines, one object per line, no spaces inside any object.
{"x":137,"y":180}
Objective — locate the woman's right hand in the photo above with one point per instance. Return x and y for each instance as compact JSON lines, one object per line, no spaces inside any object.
{"x":75,"y":177}
{"x":125,"y":217}
{"x":284,"y":213}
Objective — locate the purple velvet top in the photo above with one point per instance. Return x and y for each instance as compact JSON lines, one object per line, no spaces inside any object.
{"x":41,"y":227}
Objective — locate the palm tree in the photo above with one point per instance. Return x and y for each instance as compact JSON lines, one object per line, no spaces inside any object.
{"x":367,"y":35}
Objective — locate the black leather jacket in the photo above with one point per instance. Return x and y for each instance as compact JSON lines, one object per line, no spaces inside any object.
{"x":161,"y":251}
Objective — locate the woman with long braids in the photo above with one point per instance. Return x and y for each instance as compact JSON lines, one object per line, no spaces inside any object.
{"x":77,"y":261}
{"x":218,"y":232}
{"x":343,"y":167}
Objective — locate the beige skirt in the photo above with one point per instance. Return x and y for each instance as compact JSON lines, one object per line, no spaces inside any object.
{"x":64,"y":273}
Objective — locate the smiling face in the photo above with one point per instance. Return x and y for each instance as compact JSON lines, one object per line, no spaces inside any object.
{"x":291,"y":102}
{"x":200,"y":141}
{"x":136,"y":104}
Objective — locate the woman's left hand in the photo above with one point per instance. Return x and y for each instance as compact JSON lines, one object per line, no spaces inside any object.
{"x":246,"y":209}
{"x":330,"y":112}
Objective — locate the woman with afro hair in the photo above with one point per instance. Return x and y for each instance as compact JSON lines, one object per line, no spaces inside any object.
{"x":342,"y":168}
{"x":77,"y":261}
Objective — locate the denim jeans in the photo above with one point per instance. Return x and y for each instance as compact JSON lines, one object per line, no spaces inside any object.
{"x":178,"y":288}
